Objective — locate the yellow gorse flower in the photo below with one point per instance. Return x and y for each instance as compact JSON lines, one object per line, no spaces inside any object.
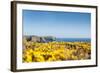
{"x":55,"y":51}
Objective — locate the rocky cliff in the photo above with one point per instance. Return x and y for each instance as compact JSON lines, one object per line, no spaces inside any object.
{"x":44,"y":39}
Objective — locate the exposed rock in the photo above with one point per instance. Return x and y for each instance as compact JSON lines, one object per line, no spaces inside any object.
{"x":34,"y":38}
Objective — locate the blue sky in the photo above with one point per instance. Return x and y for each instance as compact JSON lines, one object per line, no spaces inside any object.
{"x":58,"y":24}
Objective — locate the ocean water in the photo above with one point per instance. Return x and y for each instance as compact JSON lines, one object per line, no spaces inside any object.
{"x":73,"y":39}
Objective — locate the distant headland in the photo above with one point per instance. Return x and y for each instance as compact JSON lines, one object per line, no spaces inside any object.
{"x":43,"y":39}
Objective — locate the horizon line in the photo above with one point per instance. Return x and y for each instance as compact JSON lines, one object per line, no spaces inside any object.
{"x":57,"y":37}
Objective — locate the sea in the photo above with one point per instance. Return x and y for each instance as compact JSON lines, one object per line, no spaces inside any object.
{"x":73,"y":39}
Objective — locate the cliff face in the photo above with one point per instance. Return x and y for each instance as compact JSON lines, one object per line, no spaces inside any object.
{"x":39,"y":39}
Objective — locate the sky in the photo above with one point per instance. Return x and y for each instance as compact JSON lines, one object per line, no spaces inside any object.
{"x":57,"y":24}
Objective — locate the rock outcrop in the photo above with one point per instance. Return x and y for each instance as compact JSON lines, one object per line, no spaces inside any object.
{"x":44,"y":39}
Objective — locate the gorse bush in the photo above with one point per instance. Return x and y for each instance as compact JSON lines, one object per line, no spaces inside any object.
{"x":55,"y":51}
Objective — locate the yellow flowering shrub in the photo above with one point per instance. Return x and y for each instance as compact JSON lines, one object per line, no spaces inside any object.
{"x":55,"y":51}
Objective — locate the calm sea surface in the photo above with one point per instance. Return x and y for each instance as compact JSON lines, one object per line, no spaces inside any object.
{"x":73,"y":39}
